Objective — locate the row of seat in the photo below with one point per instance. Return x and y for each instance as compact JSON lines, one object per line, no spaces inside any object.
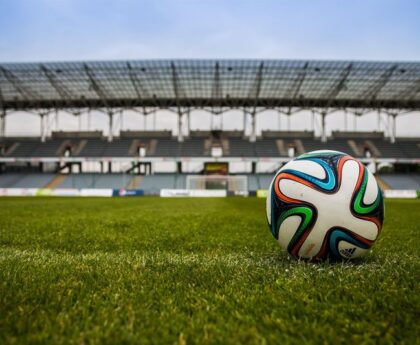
{"x":153,"y":183}
{"x":200,"y":147}
{"x":149,"y":183}
{"x":402,"y":181}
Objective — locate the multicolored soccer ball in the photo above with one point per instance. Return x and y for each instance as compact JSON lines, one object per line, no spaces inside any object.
{"x":325,"y":205}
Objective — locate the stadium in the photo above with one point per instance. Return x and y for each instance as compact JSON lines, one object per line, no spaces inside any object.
{"x":128,"y":161}
{"x":185,"y":264}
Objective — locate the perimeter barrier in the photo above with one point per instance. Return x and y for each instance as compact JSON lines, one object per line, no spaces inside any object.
{"x":165,"y":193}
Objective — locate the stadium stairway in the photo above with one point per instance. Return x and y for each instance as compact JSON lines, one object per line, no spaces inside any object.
{"x":225,"y":147}
{"x":281,"y":147}
{"x":372,"y":148}
{"x":300,"y":149}
{"x":9,"y":150}
{"x":381,"y":183}
{"x":55,"y":181}
{"x":355,"y":149}
{"x":135,"y":182}
{"x":80,"y":147}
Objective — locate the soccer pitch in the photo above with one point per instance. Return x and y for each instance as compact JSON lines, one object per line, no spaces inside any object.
{"x":153,"y":270}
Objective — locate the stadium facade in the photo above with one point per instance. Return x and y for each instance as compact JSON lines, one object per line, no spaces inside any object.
{"x":90,"y":159}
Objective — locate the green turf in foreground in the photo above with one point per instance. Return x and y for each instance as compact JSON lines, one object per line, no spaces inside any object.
{"x":149,"y":270}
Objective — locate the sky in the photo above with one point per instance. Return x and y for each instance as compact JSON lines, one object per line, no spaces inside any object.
{"x":63,"y":30}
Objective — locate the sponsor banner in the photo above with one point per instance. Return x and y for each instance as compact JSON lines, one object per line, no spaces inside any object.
{"x":127,"y":192}
{"x":68,"y":192}
{"x":65,"y":192}
{"x":262,"y":193}
{"x":195,"y":193}
{"x":208,"y":193}
{"x":44,"y":192}
{"x":38,"y":192}
{"x":400,"y":193}
{"x":18,"y":191}
{"x":105,"y":192}
{"x":58,"y":192}
{"x":238,"y":193}
{"x":169,"y":193}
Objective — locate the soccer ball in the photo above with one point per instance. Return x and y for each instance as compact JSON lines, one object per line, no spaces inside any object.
{"x":325,"y":205}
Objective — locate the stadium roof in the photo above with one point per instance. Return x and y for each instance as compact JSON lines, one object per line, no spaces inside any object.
{"x":210,"y":83}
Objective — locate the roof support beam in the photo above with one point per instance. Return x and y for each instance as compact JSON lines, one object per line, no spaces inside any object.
{"x":138,"y":86}
{"x":216,"y":92}
{"x":180,"y":128}
{"x":175,"y":82}
{"x":256,"y":89}
{"x":43,"y":128}
{"x":253,"y":136}
{"x":133,"y":80}
{"x":188,"y":120}
{"x":323,"y":127}
{"x":1,"y":100}
{"x":393,"y":129}
{"x":411,"y":92}
{"x":373,"y":92}
{"x":170,"y":104}
{"x":96,"y":85}
{"x":110,"y":126}
{"x":254,"y":94}
{"x":176,"y":87}
{"x":61,"y":90}
{"x":2,"y":123}
{"x":339,"y":85}
{"x":18,"y":85}
{"x":293,"y":92}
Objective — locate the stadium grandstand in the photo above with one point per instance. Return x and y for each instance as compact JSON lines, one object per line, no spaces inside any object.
{"x":129,"y":160}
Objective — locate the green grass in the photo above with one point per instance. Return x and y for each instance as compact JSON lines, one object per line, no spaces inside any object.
{"x":165,"y":271}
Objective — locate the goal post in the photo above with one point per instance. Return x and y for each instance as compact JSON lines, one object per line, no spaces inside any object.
{"x":231,"y":183}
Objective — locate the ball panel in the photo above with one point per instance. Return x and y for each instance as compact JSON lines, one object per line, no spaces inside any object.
{"x":328,"y":183}
{"x":288,"y":229}
{"x":295,"y":190}
{"x":343,"y":244}
{"x":312,"y":244}
{"x":268,"y":203}
{"x":306,"y":215}
{"x":358,"y":206}
{"x":348,"y":250}
{"x":305,"y":166}
{"x":371,"y":192}
{"x":321,"y":153}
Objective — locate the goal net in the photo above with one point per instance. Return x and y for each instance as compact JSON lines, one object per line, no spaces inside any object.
{"x":236,"y":184}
